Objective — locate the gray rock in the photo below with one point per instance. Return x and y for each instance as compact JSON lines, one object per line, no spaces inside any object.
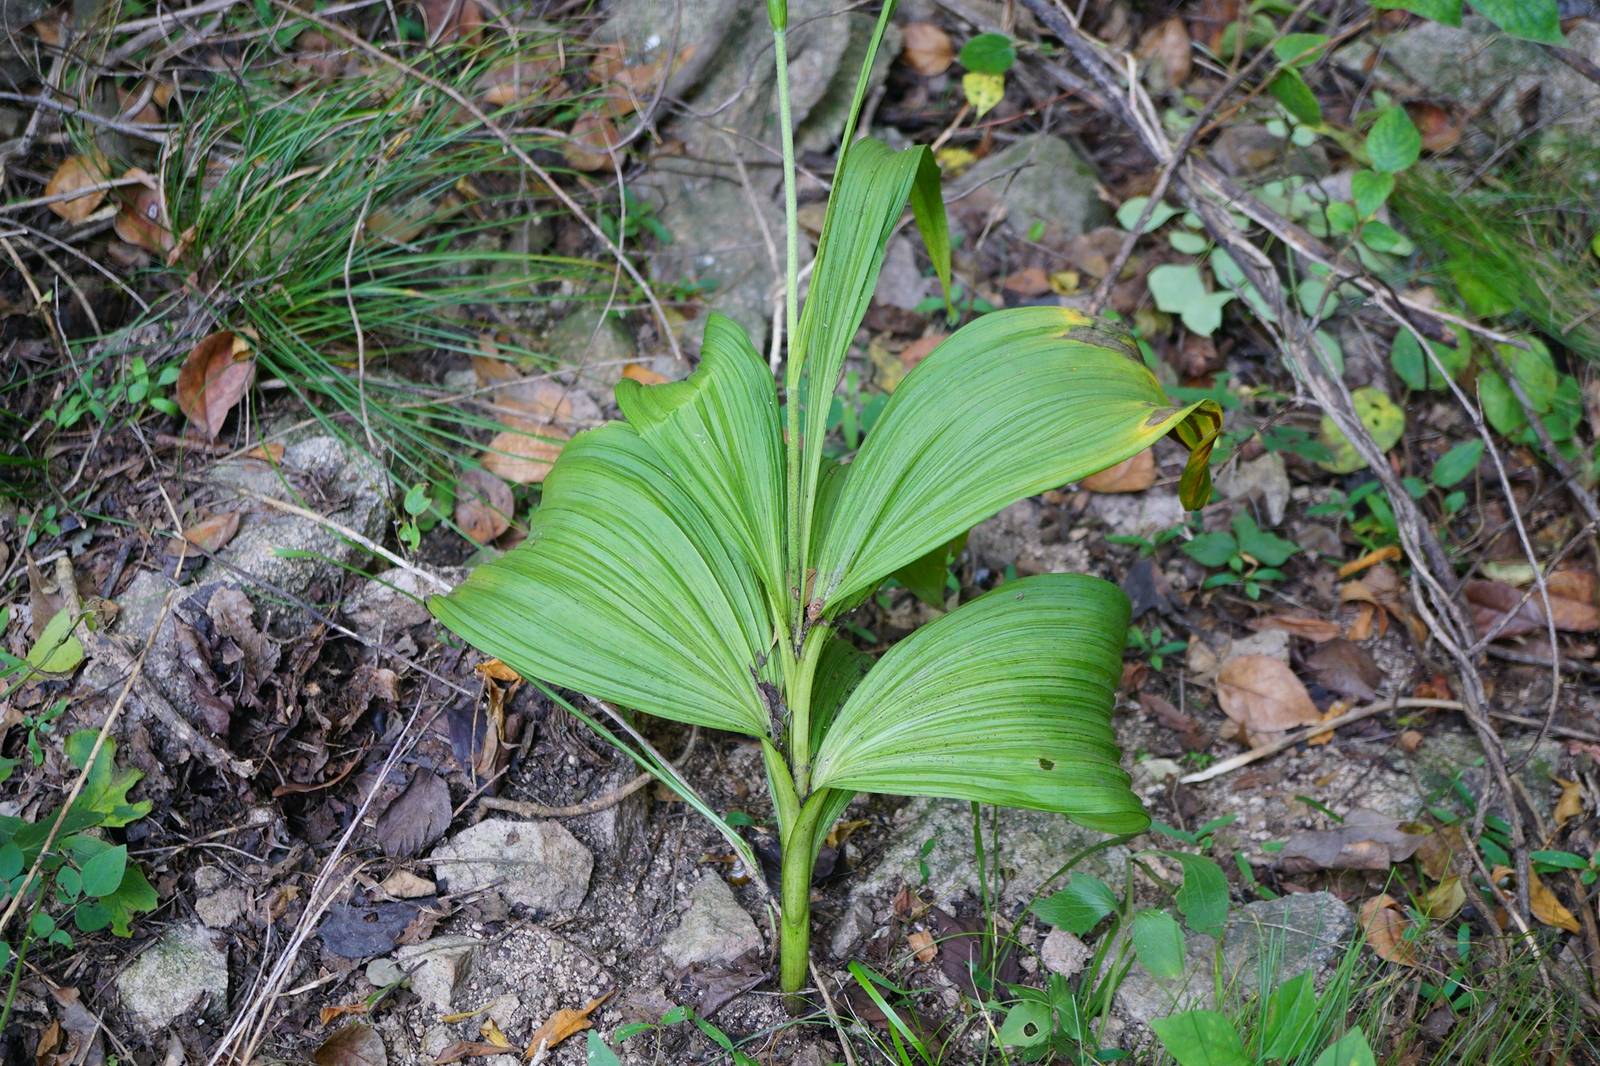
{"x":1471,"y":63}
{"x":1445,"y":753}
{"x":439,"y":968}
{"x":1263,"y":944}
{"x":1063,"y":953}
{"x":1263,"y":478}
{"x":1040,"y":178}
{"x":902,"y":284}
{"x":184,"y":972}
{"x":697,"y":27}
{"x":381,"y":973}
{"x":621,"y":831}
{"x":714,"y":929}
{"x":221,"y":908}
{"x":1026,"y":535}
{"x":1137,"y":514}
{"x":1033,"y":845}
{"x":599,"y":346}
{"x":855,"y":926}
{"x":537,"y":864}
{"x":391,"y":601}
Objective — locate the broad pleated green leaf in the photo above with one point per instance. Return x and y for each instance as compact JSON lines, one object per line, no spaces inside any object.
{"x":626,"y":589}
{"x":1014,"y":403}
{"x":717,"y":431}
{"x":1005,"y":700}
{"x":870,"y":192}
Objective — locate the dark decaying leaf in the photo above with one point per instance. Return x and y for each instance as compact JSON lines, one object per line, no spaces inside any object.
{"x":213,"y":379}
{"x":359,"y":930}
{"x":1572,"y":605}
{"x":1146,"y":588}
{"x":964,"y":957}
{"x":1188,"y":731}
{"x":357,"y":1044}
{"x":1366,"y":841}
{"x":1343,"y":666}
{"x":418,"y":816}
{"x":715,"y":985}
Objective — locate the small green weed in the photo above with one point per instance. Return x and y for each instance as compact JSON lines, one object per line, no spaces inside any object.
{"x":1246,"y":558}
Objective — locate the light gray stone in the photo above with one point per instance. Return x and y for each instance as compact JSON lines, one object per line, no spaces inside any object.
{"x":439,"y":968}
{"x":536,"y":864}
{"x":1063,"y":953}
{"x":598,"y":346}
{"x":381,"y":973}
{"x":183,"y":973}
{"x":1263,"y":478}
{"x":855,"y":925}
{"x":1264,"y":944}
{"x":1040,"y":178}
{"x":1033,"y":845}
{"x":1137,"y":514}
{"x":391,"y":600}
{"x":715,"y":929}
{"x":220,"y":909}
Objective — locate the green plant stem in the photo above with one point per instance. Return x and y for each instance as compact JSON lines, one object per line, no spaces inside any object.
{"x":17,"y":959}
{"x":799,"y":696}
{"x":794,"y":930}
{"x":794,"y":358}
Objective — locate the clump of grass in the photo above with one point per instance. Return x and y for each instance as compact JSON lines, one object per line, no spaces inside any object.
{"x":1518,"y":241}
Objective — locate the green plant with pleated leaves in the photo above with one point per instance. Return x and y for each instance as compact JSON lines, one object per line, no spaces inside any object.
{"x":695,"y":561}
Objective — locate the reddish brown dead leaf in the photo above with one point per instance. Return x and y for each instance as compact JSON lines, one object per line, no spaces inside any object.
{"x":1381,"y":588}
{"x":524,"y":458}
{"x":1166,"y":47}
{"x":1386,"y":554}
{"x":923,"y":946}
{"x":142,"y":219}
{"x":357,"y":1044}
{"x":562,"y":1024}
{"x":267,"y":453}
{"x":1572,"y":605}
{"x":1029,"y":281}
{"x":1190,"y":733}
{"x":1263,"y":695}
{"x":495,"y":670}
{"x":920,"y":349}
{"x":213,"y":379}
{"x":1410,"y":741}
{"x":78,"y":172}
{"x":212,"y":533}
{"x":643,"y":374}
{"x":928,"y":49}
{"x":1385,"y":925}
{"x":1298,"y":624}
{"x":1345,"y":667}
{"x":327,"y":1015}
{"x":1439,"y":130}
{"x":1130,"y":475}
{"x":483,"y":506}
{"x":449,"y":20}
{"x":467,"y":1049}
{"x":593,"y":140}
{"x":1541,"y":901}
{"x":508,"y":84}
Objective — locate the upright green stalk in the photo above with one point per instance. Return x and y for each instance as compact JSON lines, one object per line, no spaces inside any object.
{"x":778,"y":15}
{"x":794,"y":930}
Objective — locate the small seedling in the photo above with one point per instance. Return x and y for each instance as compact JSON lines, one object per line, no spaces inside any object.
{"x":1153,"y":645}
{"x":1248,"y":557}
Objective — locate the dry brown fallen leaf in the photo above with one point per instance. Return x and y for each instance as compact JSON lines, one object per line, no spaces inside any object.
{"x":357,"y":1044}
{"x":1385,"y":925}
{"x":1366,"y":840}
{"x":1543,"y":902}
{"x":1130,"y":475}
{"x":524,"y":458}
{"x":212,"y":533}
{"x":142,"y":219}
{"x":328,"y":1015}
{"x":928,"y":49}
{"x":1166,"y":46}
{"x":495,"y":670}
{"x":267,"y":453}
{"x":1029,"y":281}
{"x":78,"y":172}
{"x":1299,"y":624}
{"x":483,"y":505}
{"x":1381,"y":588}
{"x":213,"y":379}
{"x":1572,"y":605}
{"x":923,"y":945}
{"x":642,"y":374}
{"x":1263,"y":695}
{"x":592,"y":142}
{"x":562,"y":1024}
{"x":518,"y":81}
{"x":449,"y":20}
{"x":1444,"y":900}
{"x":1570,"y":805}
{"x":920,"y":349}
